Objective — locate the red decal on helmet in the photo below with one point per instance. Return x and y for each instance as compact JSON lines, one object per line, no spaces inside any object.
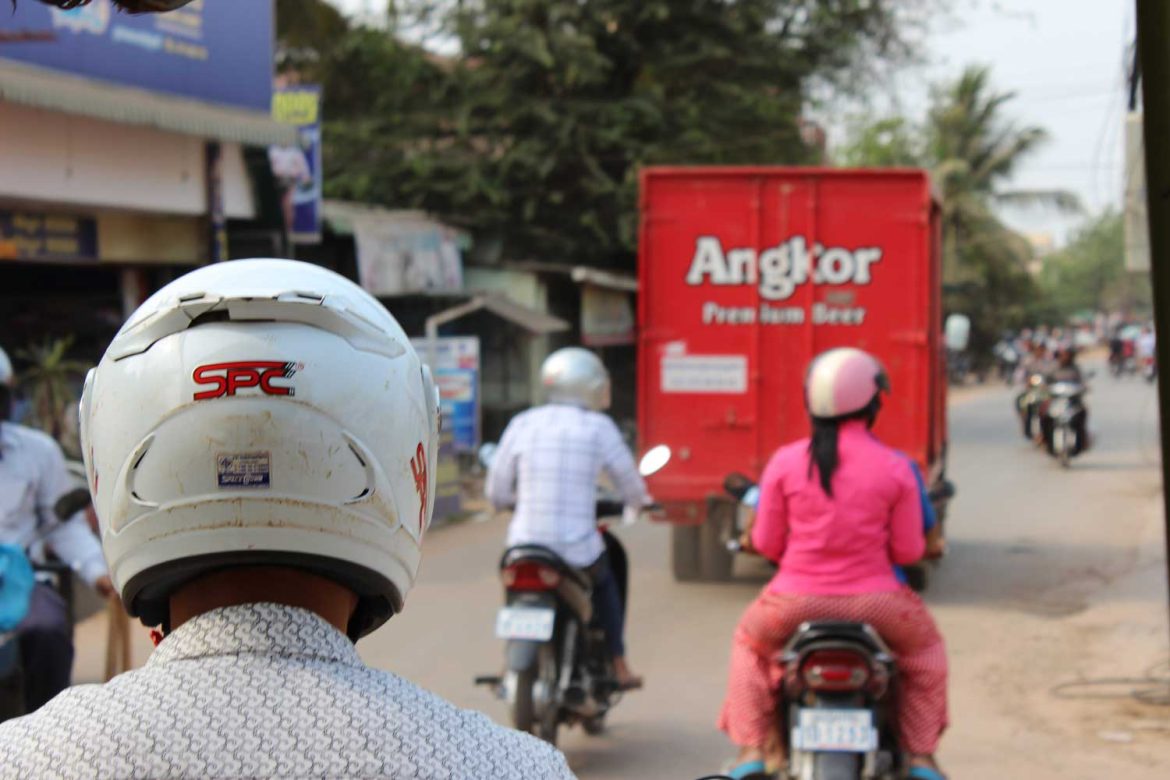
{"x":418,"y":467}
{"x":226,"y":378}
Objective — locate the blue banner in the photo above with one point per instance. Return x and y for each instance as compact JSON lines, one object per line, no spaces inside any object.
{"x":298,"y":169}
{"x":34,"y":235}
{"x":218,"y":52}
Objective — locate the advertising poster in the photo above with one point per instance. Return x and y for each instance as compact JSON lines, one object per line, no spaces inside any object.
{"x":298,"y":168}
{"x":455,"y":366}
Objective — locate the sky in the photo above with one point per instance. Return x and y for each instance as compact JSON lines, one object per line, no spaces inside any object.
{"x":1065,"y":60}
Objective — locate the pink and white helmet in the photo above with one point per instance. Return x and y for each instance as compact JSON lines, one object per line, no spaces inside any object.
{"x":843,"y":381}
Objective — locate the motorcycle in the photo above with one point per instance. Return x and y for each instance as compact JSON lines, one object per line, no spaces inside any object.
{"x":18,"y":574}
{"x":558,"y":667}
{"x":1030,"y":401}
{"x":1008,"y":360}
{"x":1059,"y":420}
{"x":836,"y":711}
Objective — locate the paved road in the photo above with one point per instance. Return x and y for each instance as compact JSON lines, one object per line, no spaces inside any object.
{"x":1052,"y":577}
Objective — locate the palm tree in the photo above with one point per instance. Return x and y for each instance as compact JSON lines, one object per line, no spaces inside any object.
{"x":975,"y":151}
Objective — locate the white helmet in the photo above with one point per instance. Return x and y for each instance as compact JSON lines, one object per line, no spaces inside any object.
{"x":6,"y":376}
{"x":261,"y":412}
{"x":575,"y":376}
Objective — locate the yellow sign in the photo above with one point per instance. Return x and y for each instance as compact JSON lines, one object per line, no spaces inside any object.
{"x":295,"y":107}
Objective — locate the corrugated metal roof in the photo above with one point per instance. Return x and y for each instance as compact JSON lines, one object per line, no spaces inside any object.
{"x":532,"y":320}
{"x":44,"y":88}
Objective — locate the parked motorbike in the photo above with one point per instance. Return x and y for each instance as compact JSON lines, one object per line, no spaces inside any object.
{"x":15,"y":563}
{"x":1059,"y":420}
{"x":558,"y":668}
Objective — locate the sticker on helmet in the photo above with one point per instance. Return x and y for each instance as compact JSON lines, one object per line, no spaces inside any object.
{"x":418,"y":467}
{"x":225,"y":379}
{"x":244,"y":469}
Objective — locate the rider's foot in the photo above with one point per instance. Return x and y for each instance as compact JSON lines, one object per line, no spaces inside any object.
{"x":626,"y":679}
{"x":923,"y":767}
{"x":749,"y":763}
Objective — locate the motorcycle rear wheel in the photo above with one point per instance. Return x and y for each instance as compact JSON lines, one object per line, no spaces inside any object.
{"x":550,"y":718}
{"x":836,"y":766}
{"x":524,"y":705}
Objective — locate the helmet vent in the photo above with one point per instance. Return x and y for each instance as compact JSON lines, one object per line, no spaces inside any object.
{"x":357,"y":455}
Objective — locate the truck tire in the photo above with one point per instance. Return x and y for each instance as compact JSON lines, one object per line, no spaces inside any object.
{"x":716,"y":559}
{"x":684,"y":552}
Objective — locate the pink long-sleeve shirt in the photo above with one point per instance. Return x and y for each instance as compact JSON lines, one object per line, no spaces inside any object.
{"x":844,"y":544}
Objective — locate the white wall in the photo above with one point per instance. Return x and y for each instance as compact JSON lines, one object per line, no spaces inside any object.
{"x":72,"y":160}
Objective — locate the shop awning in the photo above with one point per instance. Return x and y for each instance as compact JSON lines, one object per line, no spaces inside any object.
{"x":536,"y":322}
{"x":44,"y":88}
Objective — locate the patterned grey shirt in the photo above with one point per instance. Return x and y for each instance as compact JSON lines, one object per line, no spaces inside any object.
{"x":263,"y":690}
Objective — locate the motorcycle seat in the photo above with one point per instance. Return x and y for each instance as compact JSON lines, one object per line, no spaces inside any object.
{"x":837,"y":631}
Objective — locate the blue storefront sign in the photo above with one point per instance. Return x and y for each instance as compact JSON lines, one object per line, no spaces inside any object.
{"x":35,"y":235}
{"x":298,"y":169}
{"x":215,"y":51}
{"x":455,"y":366}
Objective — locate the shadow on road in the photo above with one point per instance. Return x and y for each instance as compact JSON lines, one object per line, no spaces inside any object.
{"x":1048,"y":577}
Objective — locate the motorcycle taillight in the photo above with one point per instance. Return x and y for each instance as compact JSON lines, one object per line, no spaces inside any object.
{"x":530,"y":576}
{"x":835,"y":670}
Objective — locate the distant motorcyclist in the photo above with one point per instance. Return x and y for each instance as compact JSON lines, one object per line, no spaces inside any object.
{"x":838,"y":512}
{"x":547,"y":465}
{"x":1068,"y":372}
{"x":33,"y":477}
{"x":260,"y":439}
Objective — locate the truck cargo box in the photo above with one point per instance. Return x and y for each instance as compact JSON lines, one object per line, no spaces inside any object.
{"x":745,"y":275}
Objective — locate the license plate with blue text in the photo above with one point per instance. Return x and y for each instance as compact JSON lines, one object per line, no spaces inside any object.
{"x":842,"y":731}
{"x":530,"y":623}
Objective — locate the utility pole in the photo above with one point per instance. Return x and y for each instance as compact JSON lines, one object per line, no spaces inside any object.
{"x":1153,"y":63}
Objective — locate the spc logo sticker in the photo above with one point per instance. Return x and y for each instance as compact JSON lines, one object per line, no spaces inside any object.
{"x":225,"y":379}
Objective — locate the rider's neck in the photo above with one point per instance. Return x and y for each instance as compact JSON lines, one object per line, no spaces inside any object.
{"x":274,"y":584}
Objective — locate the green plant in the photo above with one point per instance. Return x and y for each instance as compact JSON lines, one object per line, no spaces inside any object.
{"x":49,"y":383}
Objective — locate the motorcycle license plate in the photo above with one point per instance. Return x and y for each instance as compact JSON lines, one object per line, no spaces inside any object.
{"x":534,"y":624}
{"x":841,"y":731}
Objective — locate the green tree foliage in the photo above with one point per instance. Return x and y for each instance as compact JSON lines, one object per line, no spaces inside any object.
{"x":1089,"y":274}
{"x":534,"y":134}
{"x":972,"y":150}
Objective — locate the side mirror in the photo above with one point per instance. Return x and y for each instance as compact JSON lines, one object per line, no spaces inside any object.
{"x":486,"y":453}
{"x":957,"y":332}
{"x":654,"y":460}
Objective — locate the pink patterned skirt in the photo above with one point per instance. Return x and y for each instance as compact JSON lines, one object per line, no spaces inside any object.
{"x":749,"y":711}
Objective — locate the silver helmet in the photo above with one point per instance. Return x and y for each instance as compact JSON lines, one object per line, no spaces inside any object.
{"x":575,"y":376}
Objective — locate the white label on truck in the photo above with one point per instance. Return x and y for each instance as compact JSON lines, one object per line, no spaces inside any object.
{"x":704,"y":374}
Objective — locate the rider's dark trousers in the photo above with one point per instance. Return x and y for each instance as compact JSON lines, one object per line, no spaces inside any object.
{"x":46,"y":647}
{"x":607,"y":605}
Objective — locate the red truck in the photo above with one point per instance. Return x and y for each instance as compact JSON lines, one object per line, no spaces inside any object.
{"x":745,"y":275}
